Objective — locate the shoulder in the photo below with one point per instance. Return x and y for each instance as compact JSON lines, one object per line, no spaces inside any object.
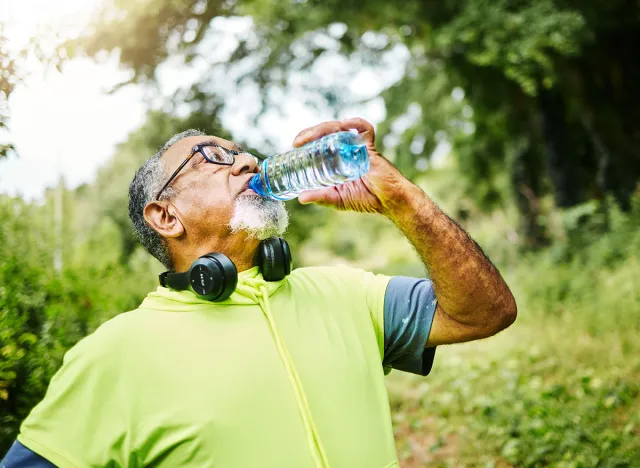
{"x":319,"y":271}
{"x":338,"y":278}
{"x":337,"y":271}
{"x":109,"y":339}
{"x":339,"y":275}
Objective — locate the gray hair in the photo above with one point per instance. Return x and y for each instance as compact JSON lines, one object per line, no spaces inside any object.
{"x":144,"y":187}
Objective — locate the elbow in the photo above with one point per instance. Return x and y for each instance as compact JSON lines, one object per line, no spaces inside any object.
{"x":489,"y":321}
{"x":507,"y":313}
{"x":499,"y":317}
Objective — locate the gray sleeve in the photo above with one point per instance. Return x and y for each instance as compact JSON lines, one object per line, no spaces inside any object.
{"x":409,"y":308}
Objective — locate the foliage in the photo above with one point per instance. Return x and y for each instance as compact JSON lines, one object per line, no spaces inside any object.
{"x":548,"y":86}
{"x":43,"y":312}
{"x":8,"y":78}
{"x":525,"y":404}
{"x":21,"y":299}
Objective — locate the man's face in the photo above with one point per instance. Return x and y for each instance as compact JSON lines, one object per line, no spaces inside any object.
{"x":214,"y":200}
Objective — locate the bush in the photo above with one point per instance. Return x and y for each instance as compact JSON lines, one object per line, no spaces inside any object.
{"x":43,"y":312}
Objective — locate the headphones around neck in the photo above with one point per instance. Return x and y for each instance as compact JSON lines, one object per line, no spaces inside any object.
{"x":214,"y":277}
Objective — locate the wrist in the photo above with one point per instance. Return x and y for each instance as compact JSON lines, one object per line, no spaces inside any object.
{"x":407,"y":201}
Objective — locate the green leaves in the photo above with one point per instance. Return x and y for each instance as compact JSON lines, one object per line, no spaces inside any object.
{"x":9,"y":77}
{"x":522,"y":42}
{"x":544,"y":82}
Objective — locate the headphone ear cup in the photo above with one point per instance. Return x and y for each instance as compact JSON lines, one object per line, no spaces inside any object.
{"x":286,"y":256}
{"x":213,"y":277}
{"x":266,"y":259}
{"x":274,"y":264}
{"x":272,"y":260}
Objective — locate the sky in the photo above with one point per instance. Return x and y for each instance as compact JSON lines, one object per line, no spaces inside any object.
{"x":61,"y":123}
{"x":65,"y":124}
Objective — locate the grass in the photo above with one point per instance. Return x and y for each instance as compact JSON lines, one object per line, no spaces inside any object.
{"x":559,"y":388}
{"x":519,"y":400}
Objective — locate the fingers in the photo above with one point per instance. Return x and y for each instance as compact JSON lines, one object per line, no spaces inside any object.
{"x":318,"y":131}
{"x":364,"y":128}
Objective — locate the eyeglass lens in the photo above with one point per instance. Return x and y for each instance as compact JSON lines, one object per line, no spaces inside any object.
{"x":218,"y":154}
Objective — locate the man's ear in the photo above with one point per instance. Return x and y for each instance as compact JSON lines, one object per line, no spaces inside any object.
{"x":162,"y":219}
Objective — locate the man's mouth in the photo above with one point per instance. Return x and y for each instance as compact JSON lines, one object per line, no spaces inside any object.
{"x":245,"y":190}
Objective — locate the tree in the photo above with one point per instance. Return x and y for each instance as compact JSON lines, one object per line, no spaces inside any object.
{"x":8,"y":79}
{"x":13,"y":71}
{"x":549,"y":87}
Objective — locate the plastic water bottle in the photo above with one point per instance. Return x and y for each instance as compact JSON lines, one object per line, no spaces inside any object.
{"x":329,"y":161}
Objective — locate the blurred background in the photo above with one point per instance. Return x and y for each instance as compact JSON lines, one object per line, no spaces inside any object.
{"x":521,"y":119}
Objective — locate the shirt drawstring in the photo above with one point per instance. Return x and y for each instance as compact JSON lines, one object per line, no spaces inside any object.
{"x":319,"y":455}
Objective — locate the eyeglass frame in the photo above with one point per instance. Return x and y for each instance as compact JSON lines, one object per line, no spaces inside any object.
{"x":199,"y":148}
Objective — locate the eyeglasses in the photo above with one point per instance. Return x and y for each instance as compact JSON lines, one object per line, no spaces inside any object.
{"x":212,"y":152}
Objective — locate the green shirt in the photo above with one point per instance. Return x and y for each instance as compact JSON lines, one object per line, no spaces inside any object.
{"x":282,"y":374}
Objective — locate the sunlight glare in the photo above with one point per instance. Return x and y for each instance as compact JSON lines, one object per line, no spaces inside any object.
{"x":44,"y":20}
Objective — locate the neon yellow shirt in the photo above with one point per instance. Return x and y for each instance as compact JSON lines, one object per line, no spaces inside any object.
{"x":281,"y":374}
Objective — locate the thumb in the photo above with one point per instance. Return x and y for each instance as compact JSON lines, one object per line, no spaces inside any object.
{"x":324,"y":196}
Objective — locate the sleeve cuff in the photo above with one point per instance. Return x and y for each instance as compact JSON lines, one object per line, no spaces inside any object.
{"x":419,"y":364}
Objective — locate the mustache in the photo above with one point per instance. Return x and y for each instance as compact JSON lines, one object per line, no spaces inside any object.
{"x":252,"y":195}
{"x":244,"y":188}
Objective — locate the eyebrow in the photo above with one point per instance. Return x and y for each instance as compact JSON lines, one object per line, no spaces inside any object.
{"x":238,"y":148}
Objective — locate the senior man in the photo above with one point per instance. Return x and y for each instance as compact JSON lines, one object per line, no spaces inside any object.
{"x":285,"y":373}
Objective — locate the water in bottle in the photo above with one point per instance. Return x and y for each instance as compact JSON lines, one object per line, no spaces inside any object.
{"x":331,"y":160}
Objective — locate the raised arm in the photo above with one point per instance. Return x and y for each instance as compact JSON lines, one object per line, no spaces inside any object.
{"x":473,"y":300}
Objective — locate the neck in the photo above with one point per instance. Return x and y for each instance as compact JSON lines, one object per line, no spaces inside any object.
{"x":240,"y":249}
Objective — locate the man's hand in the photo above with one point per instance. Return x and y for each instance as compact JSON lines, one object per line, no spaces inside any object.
{"x":375,"y":192}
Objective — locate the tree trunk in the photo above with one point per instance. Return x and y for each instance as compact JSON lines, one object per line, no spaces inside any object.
{"x":526,"y":179}
{"x":560,"y":159}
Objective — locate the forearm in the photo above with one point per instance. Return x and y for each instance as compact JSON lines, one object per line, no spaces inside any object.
{"x":469,"y":289}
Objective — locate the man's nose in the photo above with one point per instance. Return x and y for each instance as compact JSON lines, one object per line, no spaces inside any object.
{"x":244,"y":163}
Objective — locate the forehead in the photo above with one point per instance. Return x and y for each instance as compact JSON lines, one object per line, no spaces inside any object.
{"x":181,"y":149}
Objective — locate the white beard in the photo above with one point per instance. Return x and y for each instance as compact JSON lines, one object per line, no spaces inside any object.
{"x":260,"y":217}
